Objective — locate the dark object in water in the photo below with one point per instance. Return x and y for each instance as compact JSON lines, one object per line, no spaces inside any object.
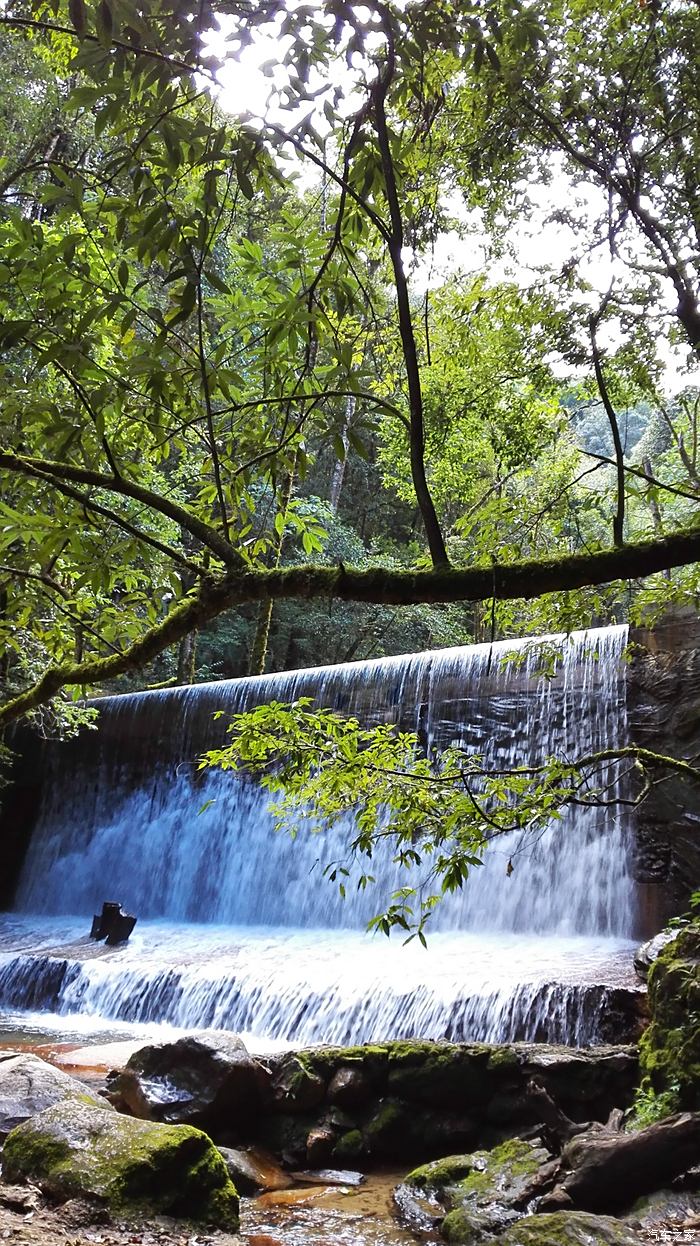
{"x":112,"y":924}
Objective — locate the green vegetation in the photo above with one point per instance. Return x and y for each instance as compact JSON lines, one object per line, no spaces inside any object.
{"x":227,"y":386}
{"x":236,"y":378}
{"x":669,"y":1053}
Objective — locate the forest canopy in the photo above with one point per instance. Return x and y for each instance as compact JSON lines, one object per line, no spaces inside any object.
{"x":237,"y":373}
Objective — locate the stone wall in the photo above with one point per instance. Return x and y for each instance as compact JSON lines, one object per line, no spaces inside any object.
{"x":365,"y":1106}
{"x":664,"y":715}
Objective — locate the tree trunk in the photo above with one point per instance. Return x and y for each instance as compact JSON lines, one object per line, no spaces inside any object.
{"x":187,"y":659}
{"x":606,"y":1171}
{"x":339,"y":469}
{"x":258,"y":653}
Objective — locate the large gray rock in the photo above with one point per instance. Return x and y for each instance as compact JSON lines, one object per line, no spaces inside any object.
{"x":207,"y":1079}
{"x":75,"y":1150}
{"x":29,"y":1085}
{"x":649,"y":952}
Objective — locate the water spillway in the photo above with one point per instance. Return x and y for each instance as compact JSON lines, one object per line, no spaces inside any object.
{"x":243,"y":931}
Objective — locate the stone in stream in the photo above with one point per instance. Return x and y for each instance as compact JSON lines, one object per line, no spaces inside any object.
{"x":29,"y":1085}
{"x":253,"y":1170}
{"x":206,"y":1079}
{"x":76,"y":1150}
{"x":112,"y":924}
{"x":330,"y":1176}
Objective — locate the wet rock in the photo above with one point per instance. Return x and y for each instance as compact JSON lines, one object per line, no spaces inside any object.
{"x":295,"y":1087}
{"x":650,"y":951}
{"x":76,"y":1150}
{"x":252,"y":1170}
{"x":208,"y":1080}
{"x":112,"y":924}
{"x":417,"y":1208}
{"x":29,"y":1085}
{"x":494,"y":1189}
{"x":670,"y":1047}
{"x":349,"y":1088}
{"x":568,"y":1228}
{"x":441,"y":1173}
{"x":319,"y":1145}
{"x":330,"y":1176}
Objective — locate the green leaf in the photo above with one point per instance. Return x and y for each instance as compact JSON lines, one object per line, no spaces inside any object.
{"x":216,"y":281}
{"x":78,"y":17}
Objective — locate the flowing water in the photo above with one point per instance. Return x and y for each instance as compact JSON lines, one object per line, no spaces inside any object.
{"x":237,"y":926}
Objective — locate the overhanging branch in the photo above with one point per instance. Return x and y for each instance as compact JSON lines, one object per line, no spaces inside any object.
{"x":524,"y":580}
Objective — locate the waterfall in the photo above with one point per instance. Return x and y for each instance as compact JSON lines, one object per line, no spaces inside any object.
{"x":125,"y":814}
{"x":103,"y":806}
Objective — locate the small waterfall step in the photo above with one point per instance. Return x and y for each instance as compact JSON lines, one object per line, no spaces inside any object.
{"x":343,"y":987}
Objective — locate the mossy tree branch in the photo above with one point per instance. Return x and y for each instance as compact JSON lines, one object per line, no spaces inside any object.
{"x":524,"y":580}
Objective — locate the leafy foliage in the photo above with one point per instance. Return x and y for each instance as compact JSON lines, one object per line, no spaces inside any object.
{"x":214,"y":372}
{"x":436,"y":815}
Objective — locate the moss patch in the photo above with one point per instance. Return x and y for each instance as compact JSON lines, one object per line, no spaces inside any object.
{"x":502,"y":1171}
{"x":440,"y":1173}
{"x":568,"y":1228}
{"x":670,"y":1047}
{"x":350,"y":1146}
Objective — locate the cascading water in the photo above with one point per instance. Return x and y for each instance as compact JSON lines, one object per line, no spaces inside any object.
{"x":280,"y":955}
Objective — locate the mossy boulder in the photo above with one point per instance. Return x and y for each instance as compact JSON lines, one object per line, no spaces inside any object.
{"x":29,"y":1085}
{"x":568,"y":1228}
{"x":482,"y":1192}
{"x":670,"y":1047}
{"x":440,"y":1173}
{"x":495,"y":1185}
{"x":76,"y":1150}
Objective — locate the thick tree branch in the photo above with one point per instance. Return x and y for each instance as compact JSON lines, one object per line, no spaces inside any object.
{"x":382,"y":586}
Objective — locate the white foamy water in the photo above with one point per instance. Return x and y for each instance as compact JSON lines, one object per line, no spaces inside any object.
{"x":302,"y":987}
